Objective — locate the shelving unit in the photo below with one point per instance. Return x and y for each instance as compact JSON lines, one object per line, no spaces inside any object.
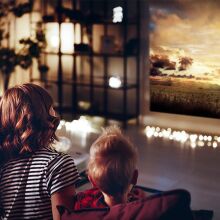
{"x":80,"y":81}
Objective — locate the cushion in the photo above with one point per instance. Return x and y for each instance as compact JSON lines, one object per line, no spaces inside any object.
{"x":168,"y":205}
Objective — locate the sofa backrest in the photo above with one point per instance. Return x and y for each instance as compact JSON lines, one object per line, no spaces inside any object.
{"x":170,"y":205}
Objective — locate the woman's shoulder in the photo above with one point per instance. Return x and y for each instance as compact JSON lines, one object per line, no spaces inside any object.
{"x":50,"y":154}
{"x":54,"y":157}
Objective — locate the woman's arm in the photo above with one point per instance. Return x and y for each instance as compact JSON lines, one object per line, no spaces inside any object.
{"x":63,"y":197}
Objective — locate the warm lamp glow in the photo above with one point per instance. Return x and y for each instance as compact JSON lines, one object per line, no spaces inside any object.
{"x":114,"y":82}
{"x":117,"y":14}
{"x":67,"y":37}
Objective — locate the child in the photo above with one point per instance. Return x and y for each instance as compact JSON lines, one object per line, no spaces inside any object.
{"x":112,"y":171}
{"x":34,"y":178}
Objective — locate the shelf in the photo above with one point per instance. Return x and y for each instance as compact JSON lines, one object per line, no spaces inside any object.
{"x":96,"y":84}
{"x":95,"y":54}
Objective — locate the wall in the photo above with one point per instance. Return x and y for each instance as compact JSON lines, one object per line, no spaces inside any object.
{"x":147,"y":118}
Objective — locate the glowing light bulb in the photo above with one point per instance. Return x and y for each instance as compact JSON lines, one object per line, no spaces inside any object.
{"x":156,"y":134}
{"x":114,"y":82}
{"x":149,"y":131}
{"x":209,"y":138}
{"x":209,"y":144}
{"x":201,"y":137}
{"x":214,"y":144}
{"x":193,"y":137}
{"x":201,"y":144}
{"x":171,"y":137}
{"x":193,"y":145}
{"x":205,"y":138}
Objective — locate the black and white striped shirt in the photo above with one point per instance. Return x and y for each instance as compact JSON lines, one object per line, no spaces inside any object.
{"x":26,"y":184}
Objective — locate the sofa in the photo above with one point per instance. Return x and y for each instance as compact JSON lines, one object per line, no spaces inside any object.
{"x":169,"y":205}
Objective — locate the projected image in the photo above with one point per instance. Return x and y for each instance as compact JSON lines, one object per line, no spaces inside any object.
{"x":185,"y":57}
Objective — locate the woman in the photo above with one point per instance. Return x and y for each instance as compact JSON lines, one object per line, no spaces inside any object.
{"x":34,"y":178}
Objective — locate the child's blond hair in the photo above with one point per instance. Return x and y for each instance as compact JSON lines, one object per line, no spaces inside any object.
{"x":113,"y":160}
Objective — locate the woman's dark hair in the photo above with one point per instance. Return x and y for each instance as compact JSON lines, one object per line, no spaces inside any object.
{"x":25,"y":121}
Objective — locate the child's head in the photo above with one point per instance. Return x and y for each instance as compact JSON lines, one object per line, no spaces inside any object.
{"x":112,"y":164}
{"x":26,"y":120}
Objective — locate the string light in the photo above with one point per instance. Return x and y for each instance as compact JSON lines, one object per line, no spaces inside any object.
{"x":192,"y":139}
{"x":215,"y":144}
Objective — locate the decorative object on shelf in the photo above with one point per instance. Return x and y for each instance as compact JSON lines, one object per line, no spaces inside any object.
{"x":30,"y":49}
{"x":82,"y":48}
{"x":107,"y":44}
{"x":22,"y":8}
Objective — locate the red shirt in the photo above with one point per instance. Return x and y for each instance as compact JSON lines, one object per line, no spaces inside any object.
{"x":93,"y":198}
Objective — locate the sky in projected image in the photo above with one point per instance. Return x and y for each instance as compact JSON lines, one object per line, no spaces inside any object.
{"x":189,"y":29}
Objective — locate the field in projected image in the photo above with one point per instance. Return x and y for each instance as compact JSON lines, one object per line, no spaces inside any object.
{"x":185,"y":96}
